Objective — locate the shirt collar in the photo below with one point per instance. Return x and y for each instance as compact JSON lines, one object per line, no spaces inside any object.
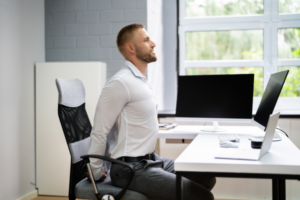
{"x":133,"y":68}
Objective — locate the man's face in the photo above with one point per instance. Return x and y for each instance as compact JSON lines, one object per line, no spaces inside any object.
{"x":144,"y":47}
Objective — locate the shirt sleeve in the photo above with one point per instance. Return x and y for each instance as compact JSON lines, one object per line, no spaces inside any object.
{"x":112,"y":100}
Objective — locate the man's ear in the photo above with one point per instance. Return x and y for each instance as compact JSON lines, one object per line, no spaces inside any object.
{"x":130,"y":48}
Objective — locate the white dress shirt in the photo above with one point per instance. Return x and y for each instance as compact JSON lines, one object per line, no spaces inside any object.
{"x":125,"y":122}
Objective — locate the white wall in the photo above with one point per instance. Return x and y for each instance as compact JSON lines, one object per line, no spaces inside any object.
{"x":155,"y":29}
{"x":161,"y":21}
{"x":169,"y":53}
{"x":21,"y":45}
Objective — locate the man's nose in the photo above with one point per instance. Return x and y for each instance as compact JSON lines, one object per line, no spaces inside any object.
{"x":153,"y":44}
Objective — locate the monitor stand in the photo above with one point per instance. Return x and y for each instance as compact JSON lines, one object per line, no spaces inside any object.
{"x":214,"y":128}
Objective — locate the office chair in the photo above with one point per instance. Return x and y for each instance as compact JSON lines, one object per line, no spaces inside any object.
{"x":77,"y":128}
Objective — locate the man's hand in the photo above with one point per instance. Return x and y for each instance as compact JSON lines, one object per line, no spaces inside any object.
{"x":104,"y":175}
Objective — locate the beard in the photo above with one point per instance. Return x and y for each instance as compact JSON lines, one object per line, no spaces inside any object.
{"x":145,"y":56}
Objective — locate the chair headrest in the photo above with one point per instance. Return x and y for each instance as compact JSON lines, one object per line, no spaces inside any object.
{"x":71,"y":92}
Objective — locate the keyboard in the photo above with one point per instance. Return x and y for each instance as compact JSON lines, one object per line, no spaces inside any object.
{"x":239,"y":154}
{"x":229,"y":137}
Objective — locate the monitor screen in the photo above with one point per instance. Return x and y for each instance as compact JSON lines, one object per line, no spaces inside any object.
{"x":270,"y":97}
{"x":215,"y":96}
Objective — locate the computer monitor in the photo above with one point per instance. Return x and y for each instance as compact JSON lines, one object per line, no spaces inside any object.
{"x":215,"y":98}
{"x":269,"y":99}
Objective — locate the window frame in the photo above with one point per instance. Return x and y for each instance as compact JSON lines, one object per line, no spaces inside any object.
{"x":270,"y":21}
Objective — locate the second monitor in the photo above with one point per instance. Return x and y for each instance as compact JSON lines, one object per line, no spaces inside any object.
{"x":215,"y":98}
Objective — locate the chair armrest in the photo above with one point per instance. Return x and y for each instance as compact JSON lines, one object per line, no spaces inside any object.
{"x":86,"y":158}
{"x":130,"y":166}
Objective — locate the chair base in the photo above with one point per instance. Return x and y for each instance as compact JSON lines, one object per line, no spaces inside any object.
{"x":84,"y":190}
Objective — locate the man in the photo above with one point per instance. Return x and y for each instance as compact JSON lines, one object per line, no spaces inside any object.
{"x":126,"y":127}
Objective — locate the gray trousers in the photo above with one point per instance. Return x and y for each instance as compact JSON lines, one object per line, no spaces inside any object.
{"x":156,"y":179}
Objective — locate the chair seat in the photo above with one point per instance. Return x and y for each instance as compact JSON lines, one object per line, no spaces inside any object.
{"x":85,"y":190}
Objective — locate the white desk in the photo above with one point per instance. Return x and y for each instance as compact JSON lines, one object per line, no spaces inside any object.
{"x":190,"y":132}
{"x":282,"y":162}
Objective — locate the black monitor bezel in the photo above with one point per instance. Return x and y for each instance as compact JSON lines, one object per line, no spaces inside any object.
{"x":212,"y":118}
{"x":261,"y":102}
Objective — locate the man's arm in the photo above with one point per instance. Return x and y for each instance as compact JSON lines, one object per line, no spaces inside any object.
{"x":112,"y":100}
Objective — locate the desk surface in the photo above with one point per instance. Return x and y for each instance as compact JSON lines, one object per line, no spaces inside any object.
{"x":283,"y":157}
{"x":190,"y":132}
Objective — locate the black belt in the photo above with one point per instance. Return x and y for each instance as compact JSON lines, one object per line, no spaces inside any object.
{"x":149,"y":156}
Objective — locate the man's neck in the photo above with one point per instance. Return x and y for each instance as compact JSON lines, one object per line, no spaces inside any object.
{"x":140,"y":65}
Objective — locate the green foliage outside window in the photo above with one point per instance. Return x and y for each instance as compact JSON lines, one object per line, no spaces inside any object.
{"x":225,"y":45}
{"x":289,"y":48}
{"x":291,"y":86}
{"x":289,"y":43}
{"x":289,"y":6}
{"x":203,"y":8}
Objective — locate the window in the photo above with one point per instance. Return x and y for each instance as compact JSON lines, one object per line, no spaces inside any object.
{"x":289,"y":6}
{"x":291,"y":87}
{"x":224,"y":45}
{"x":203,"y":8}
{"x":243,"y":36}
{"x":289,"y":43}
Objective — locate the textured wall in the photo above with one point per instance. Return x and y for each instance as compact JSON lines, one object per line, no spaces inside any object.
{"x":22,"y":40}
{"x":86,"y":30}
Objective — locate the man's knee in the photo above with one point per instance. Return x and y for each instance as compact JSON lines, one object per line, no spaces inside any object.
{"x":209,"y":196}
{"x":201,"y":194}
{"x":212,"y":183}
{"x":206,"y":195}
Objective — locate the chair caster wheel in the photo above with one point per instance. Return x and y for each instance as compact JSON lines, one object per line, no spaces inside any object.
{"x":108,"y":197}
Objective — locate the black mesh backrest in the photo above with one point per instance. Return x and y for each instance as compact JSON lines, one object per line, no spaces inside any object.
{"x":75,"y":124}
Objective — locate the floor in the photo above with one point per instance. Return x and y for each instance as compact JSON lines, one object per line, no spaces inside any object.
{"x":52,"y":198}
{"x":65,"y":198}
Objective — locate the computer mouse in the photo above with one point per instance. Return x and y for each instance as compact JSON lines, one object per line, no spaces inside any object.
{"x":227,"y":144}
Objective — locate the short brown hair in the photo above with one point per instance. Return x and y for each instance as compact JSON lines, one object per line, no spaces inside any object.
{"x":124,"y":34}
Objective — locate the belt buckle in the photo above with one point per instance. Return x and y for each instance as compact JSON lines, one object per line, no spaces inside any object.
{"x":150,"y":156}
{"x":147,"y":157}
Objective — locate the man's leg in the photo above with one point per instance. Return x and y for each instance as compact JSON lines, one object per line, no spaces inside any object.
{"x":207,"y":182}
{"x":156,"y":183}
